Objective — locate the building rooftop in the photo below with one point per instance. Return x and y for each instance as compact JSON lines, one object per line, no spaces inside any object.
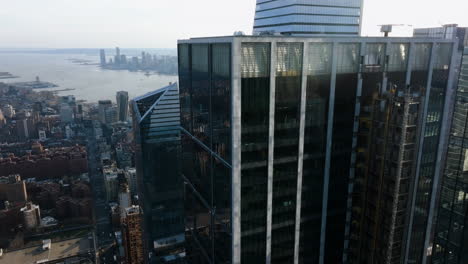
{"x":267,"y":38}
{"x":57,"y":251}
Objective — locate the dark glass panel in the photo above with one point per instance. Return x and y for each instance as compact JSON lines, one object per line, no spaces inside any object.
{"x":255,"y":70}
{"x":342,"y":136}
{"x":198,"y":227}
{"x":201,"y":93}
{"x":196,"y":167}
{"x":315,"y":140}
{"x":221,"y":100}
{"x":287,"y":119}
{"x":222,"y":212}
{"x":430,"y":149}
{"x":185,"y":84}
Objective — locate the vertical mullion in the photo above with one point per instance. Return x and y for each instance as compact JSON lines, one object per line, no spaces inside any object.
{"x":271,"y":145}
{"x":236,"y":150}
{"x":326,"y":183}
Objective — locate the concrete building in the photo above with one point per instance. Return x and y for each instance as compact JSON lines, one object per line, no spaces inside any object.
{"x":31,"y":216}
{"x":13,"y":189}
{"x":52,"y":163}
{"x":125,"y":199}
{"x":76,"y":250}
{"x":132,"y":235}
{"x":112,"y":115}
{"x":156,"y":120}
{"x":25,"y":128}
{"x":131,"y":175}
{"x":3,"y":120}
{"x":111,"y":183}
{"x":309,"y":17}
{"x":66,"y":113}
{"x":8,"y":111}
{"x":122,"y":105}
{"x":273,"y":131}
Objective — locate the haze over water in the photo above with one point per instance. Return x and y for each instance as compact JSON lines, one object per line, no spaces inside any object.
{"x":90,"y":82}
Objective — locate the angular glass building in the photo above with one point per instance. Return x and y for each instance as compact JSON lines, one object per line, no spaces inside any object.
{"x":309,"y":17}
{"x":156,"y":121}
{"x":274,"y":137}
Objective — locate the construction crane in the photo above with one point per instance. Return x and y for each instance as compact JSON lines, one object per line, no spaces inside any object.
{"x":387,"y":28}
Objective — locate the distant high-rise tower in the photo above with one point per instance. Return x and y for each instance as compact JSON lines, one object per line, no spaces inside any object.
{"x":104,"y":105}
{"x":103,"y":57}
{"x":309,"y":17}
{"x":117,"y":55}
{"x":122,"y":105}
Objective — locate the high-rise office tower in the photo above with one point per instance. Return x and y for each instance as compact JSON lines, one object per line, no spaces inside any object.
{"x":122,"y":105}
{"x":449,"y":240}
{"x":273,"y":131}
{"x":132,"y":235}
{"x":102,"y":54}
{"x":156,"y":121}
{"x":103,"y":107}
{"x":117,"y":56}
{"x":309,"y":17}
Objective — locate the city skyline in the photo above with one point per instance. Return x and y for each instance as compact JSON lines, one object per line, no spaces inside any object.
{"x":126,"y":24}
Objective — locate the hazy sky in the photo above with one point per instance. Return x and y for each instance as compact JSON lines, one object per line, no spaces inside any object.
{"x":159,"y":23}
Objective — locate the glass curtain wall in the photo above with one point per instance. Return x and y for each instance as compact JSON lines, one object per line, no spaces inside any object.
{"x":451,"y":238}
{"x":315,"y":141}
{"x":342,"y":137}
{"x":287,"y":119}
{"x":255,"y":90}
{"x":206,"y":111}
{"x":431,"y":135}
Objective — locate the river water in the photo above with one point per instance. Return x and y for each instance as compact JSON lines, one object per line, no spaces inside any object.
{"x":90,"y":82}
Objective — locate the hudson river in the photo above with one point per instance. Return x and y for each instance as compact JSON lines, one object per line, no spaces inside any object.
{"x":90,"y":82}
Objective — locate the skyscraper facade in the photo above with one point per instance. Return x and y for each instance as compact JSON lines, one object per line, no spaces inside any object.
{"x":156,"y":121}
{"x":273,"y":130}
{"x":122,"y":105}
{"x":103,"y":107}
{"x":309,"y":17}
{"x":449,"y":242}
{"x":102,"y":56}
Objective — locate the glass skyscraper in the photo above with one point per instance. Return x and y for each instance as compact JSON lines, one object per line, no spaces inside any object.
{"x":272,"y":135}
{"x":309,"y":17}
{"x":156,"y":121}
{"x":449,"y":242}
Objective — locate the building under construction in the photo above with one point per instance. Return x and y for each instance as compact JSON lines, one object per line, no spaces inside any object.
{"x":386,"y":164}
{"x":132,"y":235}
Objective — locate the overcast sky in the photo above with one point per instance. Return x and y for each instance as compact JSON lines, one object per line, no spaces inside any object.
{"x":159,"y":23}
